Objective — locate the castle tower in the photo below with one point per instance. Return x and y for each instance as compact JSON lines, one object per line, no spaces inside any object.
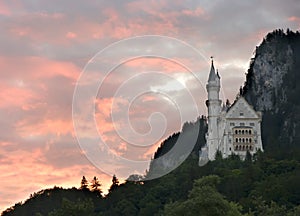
{"x":214,"y":109}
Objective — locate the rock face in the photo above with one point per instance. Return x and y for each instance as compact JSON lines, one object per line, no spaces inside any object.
{"x":272,"y":86}
{"x":273,"y":60}
{"x":269,"y":78}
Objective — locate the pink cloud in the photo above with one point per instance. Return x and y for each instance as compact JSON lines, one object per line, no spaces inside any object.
{"x":197,"y":12}
{"x":34,"y":67}
{"x":295,"y":19}
{"x":16,"y":97}
{"x":71,"y":35}
{"x":4,"y":9}
{"x":155,"y":64}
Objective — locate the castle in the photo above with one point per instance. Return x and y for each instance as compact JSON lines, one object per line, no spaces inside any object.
{"x":232,"y":129}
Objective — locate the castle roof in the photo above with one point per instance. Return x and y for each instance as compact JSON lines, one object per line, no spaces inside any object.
{"x":212,"y":73}
{"x":241,"y":105}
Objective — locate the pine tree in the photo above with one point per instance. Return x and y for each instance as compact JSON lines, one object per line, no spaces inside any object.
{"x":95,"y":185}
{"x":84,"y":183}
{"x":115,"y":183}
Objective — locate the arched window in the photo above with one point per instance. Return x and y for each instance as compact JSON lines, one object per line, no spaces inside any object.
{"x":247,"y":140}
{"x":243,"y":131}
{"x":250,"y":140}
{"x":243,"y":140}
{"x":236,"y":140}
{"x":240,"y":140}
{"x":240,"y":131}
{"x":236,"y":132}
{"x":249,"y":131}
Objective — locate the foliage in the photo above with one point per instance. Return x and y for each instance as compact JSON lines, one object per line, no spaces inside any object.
{"x":95,"y":186}
{"x":78,"y":208}
{"x":84,"y":183}
{"x":115,"y":183}
{"x":204,"y":199}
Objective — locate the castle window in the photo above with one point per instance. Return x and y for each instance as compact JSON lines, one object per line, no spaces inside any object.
{"x":240,"y":131}
{"x":236,"y":140}
{"x":247,"y":140}
{"x":242,"y":124}
{"x":250,"y":140}
{"x":232,"y":124}
{"x":236,"y":132}
{"x":241,"y":114}
{"x":243,"y":140}
{"x":251,"y":124}
{"x":249,"y":131}
{"x":243,"y":131}
{"x":229,"y":149}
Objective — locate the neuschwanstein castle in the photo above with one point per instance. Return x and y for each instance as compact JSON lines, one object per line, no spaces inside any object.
{"x":232,"y":129}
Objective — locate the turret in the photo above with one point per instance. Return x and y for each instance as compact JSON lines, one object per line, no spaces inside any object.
{"x":213,"y":86}
{"x":214,"y":109}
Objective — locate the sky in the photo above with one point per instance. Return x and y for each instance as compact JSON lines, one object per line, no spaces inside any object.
{"x":129,"y":72}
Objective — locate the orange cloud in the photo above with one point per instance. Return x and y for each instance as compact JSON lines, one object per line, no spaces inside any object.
{"x":32,"y":169}
{"x":48,"y":126}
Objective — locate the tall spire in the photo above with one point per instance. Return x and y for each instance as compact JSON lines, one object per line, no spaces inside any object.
{"x":218,"y":75}
{"x":212,"y":74}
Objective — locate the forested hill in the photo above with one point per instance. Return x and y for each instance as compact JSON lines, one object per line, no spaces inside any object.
{"x":266,"y":184}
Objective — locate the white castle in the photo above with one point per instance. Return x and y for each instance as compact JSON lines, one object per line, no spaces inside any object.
{"x":232,"y":129}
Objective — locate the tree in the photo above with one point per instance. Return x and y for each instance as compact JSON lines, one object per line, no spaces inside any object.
{"x":95,"y":185}
{"x":78,"y":208}
{"x":115,"y":183}
{"x":248,"y":158}
{"x":204,"y":199}
{"x":218,"y":155}
{"x":84,"y":183}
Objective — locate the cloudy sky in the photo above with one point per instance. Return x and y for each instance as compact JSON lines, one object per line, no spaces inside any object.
{"x":131,"y":93}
